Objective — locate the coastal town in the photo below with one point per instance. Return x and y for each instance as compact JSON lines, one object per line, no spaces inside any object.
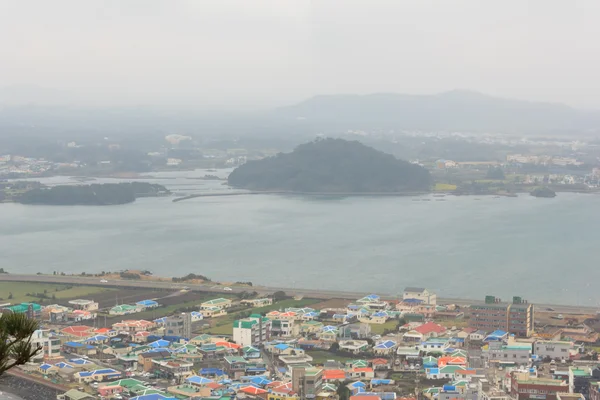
{"x":243,"y":343}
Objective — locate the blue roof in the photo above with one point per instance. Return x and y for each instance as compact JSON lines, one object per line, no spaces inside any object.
{"x":77,"y":344}
{"x":147,"y":303}
{"x":380,"y":314}
{"x":353,"y":307}
{"x":498,"y":333}
{"x":388,"y":344}
{"x":64,"y":365}
{"x":159,"y":343}
{"x":357,"y":384}
{"x":105,"y":371}
{"x":372,"y":297}
{"x":412,"y":301}
{"x":329,"y":328}
{"x":80,"y":361}
{"x":260,"y":380}
{"x":282,"y":346}
{"x":160,"y":320}
{"x":311,"y":314}
{"x":97,"y":338}
{"x":199,"y":380}
{"x":45,"y":367}
{"x":154,"y":396}
{"x":434,"y":370}
{"x":212,"y":371}
{"x":449,"y":388}
{"x":339,"y":315}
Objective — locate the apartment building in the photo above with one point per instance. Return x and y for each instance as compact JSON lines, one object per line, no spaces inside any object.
{"x":524,"y":387}
{"x":516,"y":317}
{"x":179,"y":325}
{"x":251,"y":331}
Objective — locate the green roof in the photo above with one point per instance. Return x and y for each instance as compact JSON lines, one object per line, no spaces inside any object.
{"x":126,"y":383}
{"x":517,"y":347}
{"x":235,"y":359}
{"x":450,"y":369}
{"x":580,"y":372}
{"x":77,"y":395}
{"x":217,"y":301}
{"x":24,"y":307}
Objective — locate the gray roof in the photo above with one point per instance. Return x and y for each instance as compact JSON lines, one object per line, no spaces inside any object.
{"x":414,"y":289}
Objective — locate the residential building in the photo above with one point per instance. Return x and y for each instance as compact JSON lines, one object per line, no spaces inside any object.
{"x":124,"y":309}
{"x":570,"y":396}
{"x":132,"y":326}
{"x":219,"y":303}
{"x":51,"y":345}
{"x":213,"y":312}
{"x":145,"y":359}
{"x":421,"y":294}
{"x":251,"y":331}
{"x":285,"y":327}
{"x":179,"y":325}
{"x":508,"y":353}
{"x":524,"y":387}
{"x":487,"y":391}
{"x":172,"y":368}
{"x":98,"y":375}
{"x":33,"y":310}
{"x":579,"y":380}
{"x":258,"y":302}
{"x":235,"y":366}
{"x":84,"y":305}
{"x":516,"y":317}
{"x":594,"y":390}
{"x":75,"y":394}
{"x":557,"y":350}
{"x":307,"y":382}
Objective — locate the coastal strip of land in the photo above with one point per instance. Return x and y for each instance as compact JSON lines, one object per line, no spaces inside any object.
{"x":280,"y":192}
{"x":211,"y":287}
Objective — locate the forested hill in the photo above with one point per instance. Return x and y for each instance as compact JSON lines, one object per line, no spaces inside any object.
{"x":96,"y":194}
{"x":332,"y":166}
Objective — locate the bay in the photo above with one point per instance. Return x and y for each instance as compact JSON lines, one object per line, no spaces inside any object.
{"x":545,"y":250}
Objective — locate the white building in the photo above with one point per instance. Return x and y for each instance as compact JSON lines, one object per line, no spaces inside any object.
{"x":554,"y":349}
{"x":251,"y":331}
{"x":512,"y":352}
{"x":422,"y":294}
{"x":85,"y":305}
{"x":50,"y":345}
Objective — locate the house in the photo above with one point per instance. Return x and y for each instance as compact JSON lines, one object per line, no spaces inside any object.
{"x":218,"y":303}
{"x":235,"y":366}
{"x":477,"y":335}
{"x":434,"y":345}
{"x":132,"y":326}
{"x":557,"y":350}
{"x":212,"y":312}
{"x":354,"y":346}
{"x":420,"y":294}
{"x":416,"y":307}
{"x":172,"y":368}
{"x":385,"y":347}
{"x":110,"y":390}
{"x":446,"y":372}
{"x":78,"y":331}
{"x":380,"y":363}
{"x":285,"y":327}
{"x":258,"y":302}
{"x":309,"y":327}
{"x":430,"y":329}
{"x":251,"y":331}
{"x":201,"y":339}
{"x":145,"y":359}
{"x":46,"y":369}
{"x":361,"y":373}
{"x":79,"y":348}
{"x":85,"y":305}
{"x":332,"y":375}
{"x":145,"y":304}
{"x":124,"y":309}
{"x":75,"y":394}
{"x":328,"y":333}
{"x":98,"y":375}
{"x":510,"y":353}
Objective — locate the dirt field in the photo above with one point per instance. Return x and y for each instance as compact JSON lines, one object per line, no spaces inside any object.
{"x":122,"y":296}
{"x":332,"y":303}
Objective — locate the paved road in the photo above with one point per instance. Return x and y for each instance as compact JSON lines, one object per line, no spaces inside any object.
{"x":315,"y":293}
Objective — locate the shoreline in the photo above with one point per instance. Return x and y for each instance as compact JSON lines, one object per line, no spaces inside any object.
{"x":165,"y":283}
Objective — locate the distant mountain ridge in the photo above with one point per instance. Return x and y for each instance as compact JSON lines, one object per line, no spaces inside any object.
{"x":454,"y":110}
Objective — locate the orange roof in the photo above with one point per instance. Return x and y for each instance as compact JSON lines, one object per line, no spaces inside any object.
{"x":379,"y":361}
{"x":366,"y":369}
{"x":334,"y":374}
{"x":229,"y":345}
{"x":466,"y":371}
{"x":443,"y":361}
{"x":253,"y":390}
{"x":214,"y":385}
{"x":77,"y":330}
{"x":103,"y":330}
{"x":430,"y":327}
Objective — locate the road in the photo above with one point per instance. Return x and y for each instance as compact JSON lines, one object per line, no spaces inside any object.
{"x":263,"y":290}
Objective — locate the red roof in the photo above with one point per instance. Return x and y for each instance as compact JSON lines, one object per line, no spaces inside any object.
{"x":379,"y":361}
{"x":430,"y":327}
{"x":466,"y":371}
{"x":214,"y":385}
{"x":253,"y":390}
{"x":333,"y":374}
{"x":77,"y":330}
{"x":103,"y":330}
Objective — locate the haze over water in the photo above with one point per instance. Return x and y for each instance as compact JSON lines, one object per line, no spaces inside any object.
{"x":541,"y":249}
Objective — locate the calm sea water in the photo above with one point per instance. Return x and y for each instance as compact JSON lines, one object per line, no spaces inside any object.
{"x":545,"y":250}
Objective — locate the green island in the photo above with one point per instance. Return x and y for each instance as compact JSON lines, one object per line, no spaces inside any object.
{"x":332,"y":166}
{"x":95,"y":194}
{"x":543,"y":192}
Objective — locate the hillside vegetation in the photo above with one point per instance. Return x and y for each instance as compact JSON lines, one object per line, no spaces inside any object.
{"x":332,"y":166}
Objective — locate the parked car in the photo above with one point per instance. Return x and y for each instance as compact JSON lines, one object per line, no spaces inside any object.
{"x":103,"y":281}
{"x":227,"y":288}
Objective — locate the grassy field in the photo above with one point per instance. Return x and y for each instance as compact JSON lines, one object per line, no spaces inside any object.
{"x":224,"y":325}
{"x":444,"y":187}
{"x":377,"y":329}
{"x":19,"y":291}
{"x":320,"y":356}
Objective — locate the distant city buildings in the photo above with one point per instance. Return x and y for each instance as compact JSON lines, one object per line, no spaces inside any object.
{"x":516,"y":317}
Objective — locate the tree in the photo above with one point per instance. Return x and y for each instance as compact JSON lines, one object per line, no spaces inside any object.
{"x":10,"y":296}
{"x":495,"y":173}
{"x":279,"y":295}
{"x":342,"y":390}
{"x":15,"y":341}
{"x":2,"y":271}
{"x":334,"y":347}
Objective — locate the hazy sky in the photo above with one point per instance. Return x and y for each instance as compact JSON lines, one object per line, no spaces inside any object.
{"x":272,"y":52}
